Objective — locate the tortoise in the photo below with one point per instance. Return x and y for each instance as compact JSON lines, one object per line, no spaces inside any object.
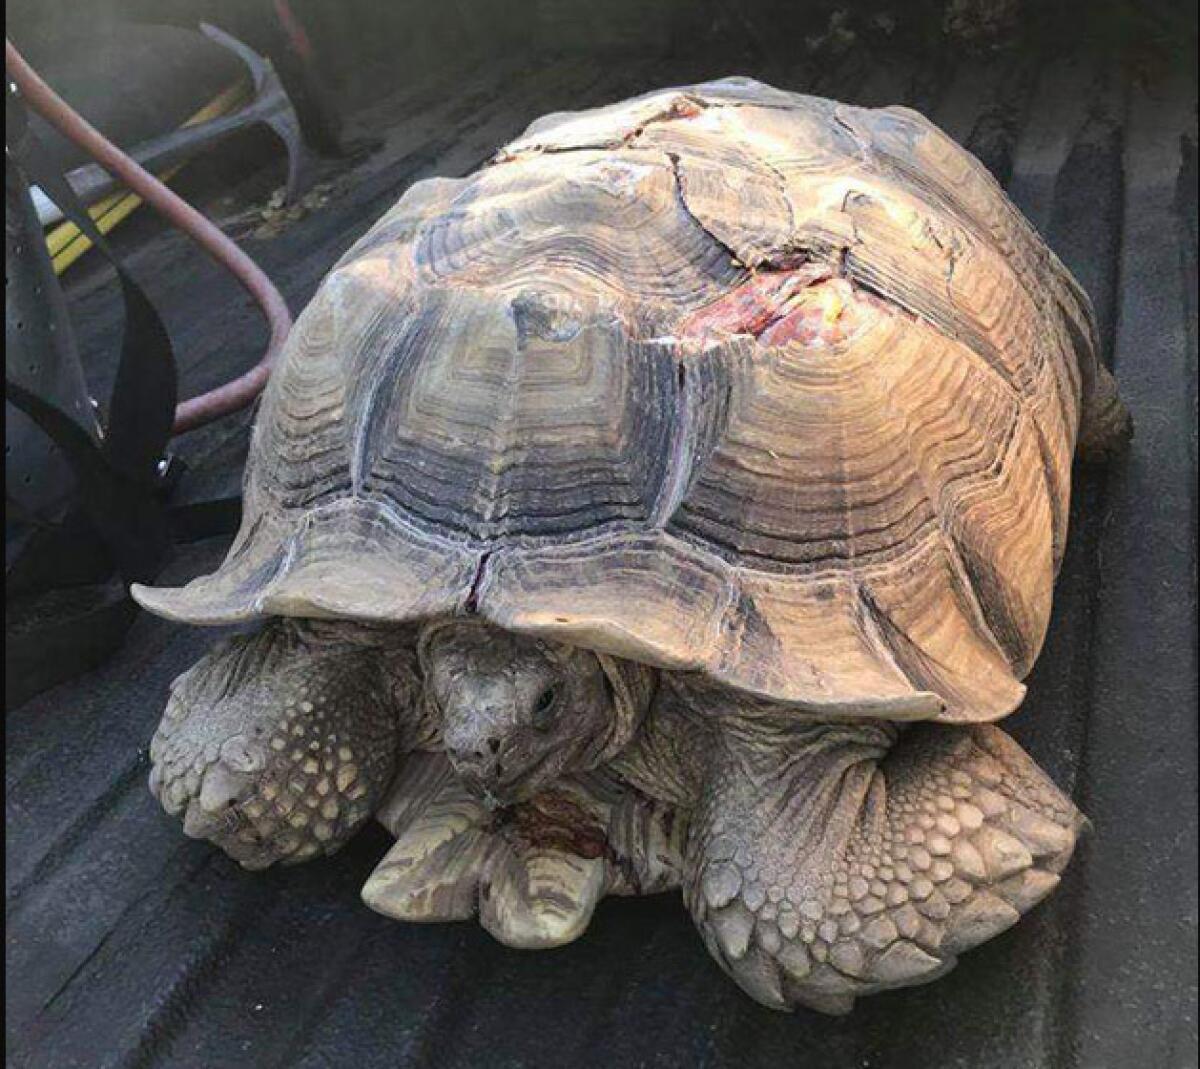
{"x":674,"y":501}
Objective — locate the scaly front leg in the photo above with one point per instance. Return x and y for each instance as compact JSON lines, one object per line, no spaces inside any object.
{"x":534,"y":871}
{"x":278,"y":745}
{"x":829,"y":861}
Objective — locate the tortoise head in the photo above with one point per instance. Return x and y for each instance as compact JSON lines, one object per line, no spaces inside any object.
{"x":518,"y":713}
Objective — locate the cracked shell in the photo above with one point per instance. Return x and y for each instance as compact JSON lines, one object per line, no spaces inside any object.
{"x":721,"y":379}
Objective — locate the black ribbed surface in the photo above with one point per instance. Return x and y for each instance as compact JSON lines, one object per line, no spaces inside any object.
{"x":129,"y":945}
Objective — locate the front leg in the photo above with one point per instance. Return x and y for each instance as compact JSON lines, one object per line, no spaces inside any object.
{"x":278,"y":745}
{"x":533,"y":872}
{"x":836,"y":860}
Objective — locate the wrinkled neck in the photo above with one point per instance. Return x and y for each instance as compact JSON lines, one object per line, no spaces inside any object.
{"x":633,"y":687}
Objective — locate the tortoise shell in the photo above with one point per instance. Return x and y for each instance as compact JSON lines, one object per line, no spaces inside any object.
{"x":722,"y":379}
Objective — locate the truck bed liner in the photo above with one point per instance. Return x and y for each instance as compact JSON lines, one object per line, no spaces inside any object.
{"x":129,"y":945}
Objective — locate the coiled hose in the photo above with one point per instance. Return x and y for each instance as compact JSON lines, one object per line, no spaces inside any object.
{"x":239,"y":392}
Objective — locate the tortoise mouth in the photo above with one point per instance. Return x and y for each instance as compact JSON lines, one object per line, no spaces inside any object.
{"x":508,"y":787}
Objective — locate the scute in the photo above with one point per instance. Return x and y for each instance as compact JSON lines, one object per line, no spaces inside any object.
{"x":533,"y":417}
{"x":725,"y":379}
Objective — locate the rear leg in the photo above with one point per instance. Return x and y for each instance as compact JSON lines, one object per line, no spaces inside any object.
{"x":1105,"y":426}
{"x":534,"y":872}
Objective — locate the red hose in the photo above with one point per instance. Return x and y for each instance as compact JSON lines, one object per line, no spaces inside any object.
{"x":239,"y":392}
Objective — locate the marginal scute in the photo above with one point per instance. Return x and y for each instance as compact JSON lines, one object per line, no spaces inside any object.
{"x":352,"y":559}
{"x":532,"y":393}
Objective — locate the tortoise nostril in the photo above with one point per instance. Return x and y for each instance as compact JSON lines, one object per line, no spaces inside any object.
{"x":479,"y":760}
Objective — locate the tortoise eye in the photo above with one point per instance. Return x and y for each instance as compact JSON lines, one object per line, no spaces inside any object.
{"x":544,"y":707}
